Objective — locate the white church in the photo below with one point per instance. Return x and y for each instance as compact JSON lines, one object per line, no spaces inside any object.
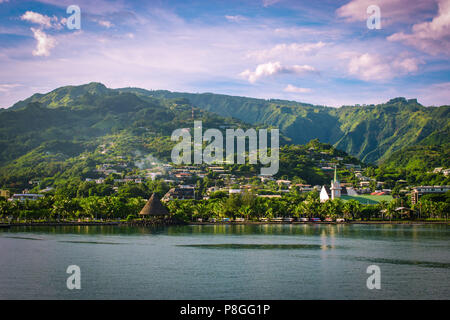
{"x":335,"y":189}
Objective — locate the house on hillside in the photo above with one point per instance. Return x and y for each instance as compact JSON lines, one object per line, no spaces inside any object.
{"x":5,"y":194}
{"x":26,"y":196}
{"x":183,"y":192}
{"x":417,"y":192}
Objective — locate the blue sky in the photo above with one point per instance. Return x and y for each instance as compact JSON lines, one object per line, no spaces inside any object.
{"x":318,"y":52}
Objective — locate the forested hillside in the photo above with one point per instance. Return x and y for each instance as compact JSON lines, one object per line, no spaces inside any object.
{"x":372,"y":133}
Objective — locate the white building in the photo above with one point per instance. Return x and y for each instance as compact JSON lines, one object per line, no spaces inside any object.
{"x":324,"y":195}
{"x":26,"y":196}
{"x":335,"y":189}
{"x":335,"y":186}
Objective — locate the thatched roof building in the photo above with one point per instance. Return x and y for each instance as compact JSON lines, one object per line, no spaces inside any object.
{"x":153,"y":207}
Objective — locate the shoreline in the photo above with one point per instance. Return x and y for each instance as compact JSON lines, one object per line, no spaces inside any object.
{"x":130,"y":224}
{"x":321,"y":222}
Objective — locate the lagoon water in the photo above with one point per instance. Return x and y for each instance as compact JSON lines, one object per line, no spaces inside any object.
{"x":226,"y":262}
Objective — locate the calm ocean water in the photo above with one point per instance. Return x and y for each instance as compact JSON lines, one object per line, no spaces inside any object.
{"x":226,"y":262}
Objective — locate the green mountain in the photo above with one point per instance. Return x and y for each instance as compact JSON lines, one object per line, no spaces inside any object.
{"x":420,"y":157}
{"x":372,"y":133}
{"x":71,"y":130}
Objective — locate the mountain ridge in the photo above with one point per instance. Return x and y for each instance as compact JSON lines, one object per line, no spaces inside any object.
{"x":370,"y":132}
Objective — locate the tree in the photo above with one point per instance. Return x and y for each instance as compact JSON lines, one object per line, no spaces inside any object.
{"x":6,"y":209}
{"x":218,"y":208}
{"x":390,"y":210}
{"x":65,"y":208}
{"x":246,"y":211}
{"x":310,"y":207}
{"x":373,"y":185}
{"x":201,"y":210}
{"x":351,"y":209}
{"x":382,"y":206}
{"x":91,"y":206}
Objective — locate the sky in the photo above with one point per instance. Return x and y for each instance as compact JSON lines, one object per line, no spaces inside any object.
{"x":319,"y":52}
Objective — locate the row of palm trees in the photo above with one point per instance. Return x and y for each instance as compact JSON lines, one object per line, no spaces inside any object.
{"x":246,"y":206}
{"x":255,"y":208}
{"x":54,"y":208}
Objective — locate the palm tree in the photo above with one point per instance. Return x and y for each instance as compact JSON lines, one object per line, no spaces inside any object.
{"x":246,"y":211}
{"x":91,"y":206}
{"x":218,"y":208}
{"x":5,"y":209}
{"x":390,"y":210}
{"x":201,"y":210}
{"x":298,"y":209}
{"x":311,"y":206}
{"x":382,"y":205}
{"x":351,"y":208}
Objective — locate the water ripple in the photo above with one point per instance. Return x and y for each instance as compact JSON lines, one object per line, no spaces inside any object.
{"x":256,"y":246}
{"x":426,"y":264}
{"x":90,"y":242}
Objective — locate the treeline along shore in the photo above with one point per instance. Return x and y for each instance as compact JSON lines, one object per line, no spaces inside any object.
{"x":233,"y":208}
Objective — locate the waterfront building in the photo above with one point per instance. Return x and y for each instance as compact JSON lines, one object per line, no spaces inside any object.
{"x":334,"y":192}
{"x":153,"y":207}
{"x":417,"y":192}
{"x":324,"y":194}
{"x":335,"y":186}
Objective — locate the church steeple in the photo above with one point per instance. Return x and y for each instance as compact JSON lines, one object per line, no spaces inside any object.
{"x":335,"y":186}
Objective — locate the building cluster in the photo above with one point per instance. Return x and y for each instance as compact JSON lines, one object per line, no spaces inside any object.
{"x":417,"y":192}
{"x":183,"y":180}
{"x":445,"y":172}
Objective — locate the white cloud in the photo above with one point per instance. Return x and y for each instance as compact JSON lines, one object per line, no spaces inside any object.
{"x":274,"y":68}
{"x":44,"y":44}
{"x":88,"y":6}
{"x":8,"y":86}
{"x":268,"y":3}
{"x":432,"y":37}
{"x":236,"y":18}
{"x":391,"y":10}
{"x":37,"y":18}
{"x":294,"y":89}
{"x":105,"y":23}
{"x":202,"y":54}
{"x":371,"y":67}
{"x":284,"y":50}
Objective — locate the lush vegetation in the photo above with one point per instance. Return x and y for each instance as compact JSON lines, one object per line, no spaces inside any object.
{"x":219,"y":206}
{"x":63,"y":139}
{"x":372,"y":132}
{"x":70,"y":131}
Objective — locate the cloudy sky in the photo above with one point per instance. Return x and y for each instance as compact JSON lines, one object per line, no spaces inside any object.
{"x":320,"y":52}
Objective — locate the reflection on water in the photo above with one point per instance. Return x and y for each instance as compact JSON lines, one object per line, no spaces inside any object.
{"x":292,"y":261}
{"x":428,"y":264}
{"x":23,"y":238}
{"x":324,"y":231}
{"x":91,"y":242}
{"x":255,"y":246}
